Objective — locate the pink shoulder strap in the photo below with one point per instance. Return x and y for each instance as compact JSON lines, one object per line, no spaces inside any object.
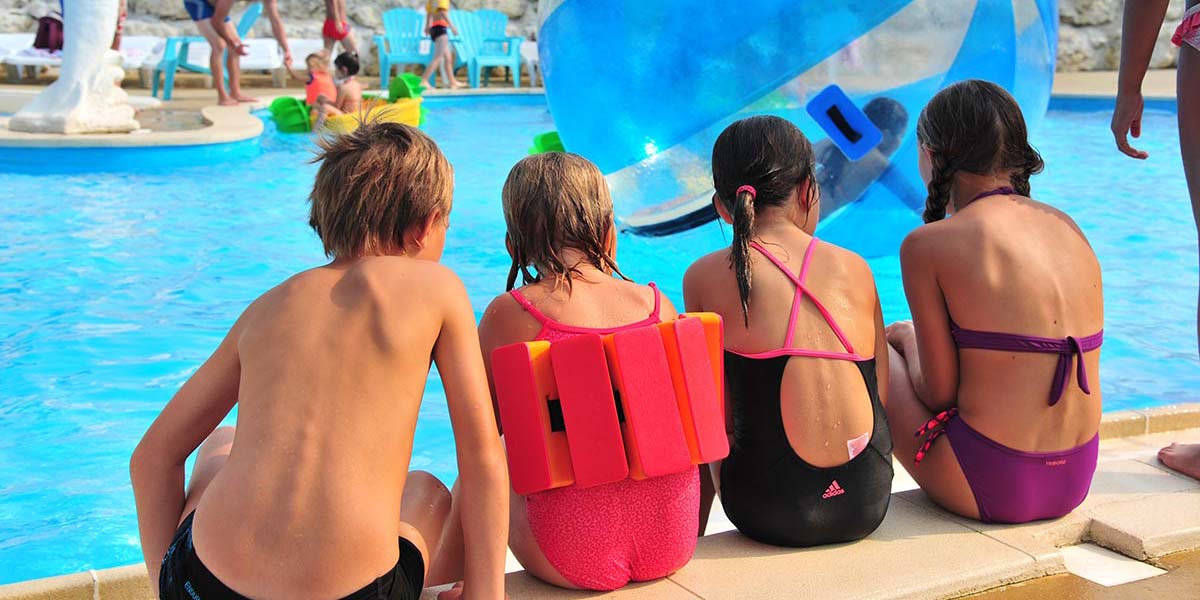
{"x":529,"y":307}
{"x":801,"y":292}
{"x":657,"y":301}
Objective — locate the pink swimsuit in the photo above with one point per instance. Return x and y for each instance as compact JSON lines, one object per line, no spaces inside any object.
{"x":603,"y":537}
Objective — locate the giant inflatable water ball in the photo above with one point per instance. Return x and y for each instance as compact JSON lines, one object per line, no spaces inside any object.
{"x":644,"y":88}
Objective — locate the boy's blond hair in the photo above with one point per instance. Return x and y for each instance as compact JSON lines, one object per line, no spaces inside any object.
{"x":374,"y":186}
{"x":554,"y":201}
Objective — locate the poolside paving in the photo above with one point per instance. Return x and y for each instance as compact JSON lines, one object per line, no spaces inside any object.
{"x":1136,"y":507}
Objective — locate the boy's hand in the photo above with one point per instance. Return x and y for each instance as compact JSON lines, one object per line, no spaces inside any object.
{"x":242,"y":48}
{"x":1127,"y":120}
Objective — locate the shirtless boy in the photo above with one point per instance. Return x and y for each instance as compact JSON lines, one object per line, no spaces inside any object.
{"x":312,"y":497}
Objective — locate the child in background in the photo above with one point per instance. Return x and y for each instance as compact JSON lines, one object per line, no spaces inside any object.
{"x":337,"y":28}
{"x":312,"y":496}
{"x":437,"y":22}
{"x":349,"y":90}
{"x":562,"y":240}
{"x":320,"y":82}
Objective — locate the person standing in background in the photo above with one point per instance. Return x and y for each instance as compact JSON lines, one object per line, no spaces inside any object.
{"x":1143,"y":19}
{"x":337,"y":27}
{"x":439,"y":27}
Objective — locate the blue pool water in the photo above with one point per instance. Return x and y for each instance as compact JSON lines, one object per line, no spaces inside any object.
{"x":115,"y":286}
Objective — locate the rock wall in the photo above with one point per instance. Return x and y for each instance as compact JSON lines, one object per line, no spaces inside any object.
{"x":1089,"y":35}
{"x":1089,"y":31}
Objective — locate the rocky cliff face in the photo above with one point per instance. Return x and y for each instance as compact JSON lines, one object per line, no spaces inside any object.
{"x":1089,"y":35}
{"x":1089,"y":31}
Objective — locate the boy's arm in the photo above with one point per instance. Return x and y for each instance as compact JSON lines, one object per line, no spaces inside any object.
{"x":1139,"y":32}
{"x":483,"y":473}
{"x":156,"y":468}
{"x":271,"y":7}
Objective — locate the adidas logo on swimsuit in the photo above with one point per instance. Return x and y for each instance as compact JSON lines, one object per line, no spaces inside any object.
{"x":834,"y":490}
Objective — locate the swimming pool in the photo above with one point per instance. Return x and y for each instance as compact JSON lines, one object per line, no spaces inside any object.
{"x":115,"y":286}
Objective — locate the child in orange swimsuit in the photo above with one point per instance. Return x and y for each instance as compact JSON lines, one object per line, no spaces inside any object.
{"x":562,"y":240}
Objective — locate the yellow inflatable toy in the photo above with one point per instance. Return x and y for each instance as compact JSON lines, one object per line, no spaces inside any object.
{"x":403,"y":110}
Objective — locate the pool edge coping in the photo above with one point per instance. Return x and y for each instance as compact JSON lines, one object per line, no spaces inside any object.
{"x":226,"y":124}
{"x":130,"y":581}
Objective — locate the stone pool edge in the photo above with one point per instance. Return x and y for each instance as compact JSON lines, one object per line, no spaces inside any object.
{"x":1115,"y":518}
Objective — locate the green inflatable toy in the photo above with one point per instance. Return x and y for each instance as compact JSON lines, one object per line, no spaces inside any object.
{"x":291,"y":115}
{"x":546,"y":142}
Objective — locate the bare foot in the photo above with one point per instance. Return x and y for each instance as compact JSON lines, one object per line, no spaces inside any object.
{"x":245,"y":98}
{"x":227,"y":101}
{"x":428,"y":85}
{"x":1184,"y":458}
{"x":456,"y":84}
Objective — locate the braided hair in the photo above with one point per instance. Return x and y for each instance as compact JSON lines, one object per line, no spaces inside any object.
{"x":758,"y":162}
{"x":974,"y":126}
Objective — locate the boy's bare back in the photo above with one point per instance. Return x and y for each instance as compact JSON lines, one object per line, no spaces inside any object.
{"x":332,"y":369}
{"x":312,"y":496}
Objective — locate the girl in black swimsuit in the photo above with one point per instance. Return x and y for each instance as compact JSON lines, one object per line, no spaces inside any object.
{"x":763,"y":175}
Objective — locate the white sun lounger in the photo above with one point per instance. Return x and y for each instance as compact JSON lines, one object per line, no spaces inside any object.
{"x":12,"y":43}
{"x":135,"y":50}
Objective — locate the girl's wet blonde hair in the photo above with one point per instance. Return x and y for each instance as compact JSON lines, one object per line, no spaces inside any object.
{"x":553,"y":202}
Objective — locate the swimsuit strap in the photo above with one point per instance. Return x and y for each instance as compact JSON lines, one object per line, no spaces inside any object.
{"x":1068,"y":349}
{"x":548,"y":323}
{"x":657,"y":301}
{"x":530,"y":308}
{"x":801,"y":291}
{"x":1004,"y":190}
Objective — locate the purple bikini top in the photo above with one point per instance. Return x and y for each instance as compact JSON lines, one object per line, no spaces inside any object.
{"x":1068,"y":349}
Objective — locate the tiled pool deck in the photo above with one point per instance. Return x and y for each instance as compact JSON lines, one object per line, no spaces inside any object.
{"x":1136,"y":507}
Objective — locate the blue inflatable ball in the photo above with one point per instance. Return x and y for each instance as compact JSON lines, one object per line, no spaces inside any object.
{"x":644,"y":88}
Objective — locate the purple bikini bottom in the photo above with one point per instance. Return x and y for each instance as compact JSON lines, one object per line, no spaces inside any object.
{"x":1012,"y":486}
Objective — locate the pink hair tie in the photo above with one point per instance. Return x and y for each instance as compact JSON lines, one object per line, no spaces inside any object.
{"x":748,"y":188}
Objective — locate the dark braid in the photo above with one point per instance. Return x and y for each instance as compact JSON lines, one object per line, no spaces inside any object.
{"x":939,"y":191}
{"x":1031,"y":165}
{"x":739,"y":254}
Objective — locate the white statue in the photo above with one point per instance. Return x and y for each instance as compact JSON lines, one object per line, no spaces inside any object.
{"x":85,"y":99}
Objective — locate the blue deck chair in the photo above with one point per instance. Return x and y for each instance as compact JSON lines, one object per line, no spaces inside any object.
{"x":400,"y":44}
{"x":466,"y":42}
{"x":485,"y":53}
{"x":175,"y":53}
{"x":496,"y":41}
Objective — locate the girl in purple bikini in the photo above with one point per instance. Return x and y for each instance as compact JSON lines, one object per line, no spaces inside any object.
{"x":1002,"y":355}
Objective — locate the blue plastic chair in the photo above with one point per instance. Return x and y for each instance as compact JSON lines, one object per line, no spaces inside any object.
{"x":175,"y":53}
{"x":495,"y":35}
{"x":400,"y":44}
{"x":484,"y":52}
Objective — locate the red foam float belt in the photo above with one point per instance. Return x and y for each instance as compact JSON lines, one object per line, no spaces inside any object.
{"x":594,"y":409}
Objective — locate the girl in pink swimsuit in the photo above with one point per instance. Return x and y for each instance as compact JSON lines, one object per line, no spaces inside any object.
{"x":562,"y":240}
